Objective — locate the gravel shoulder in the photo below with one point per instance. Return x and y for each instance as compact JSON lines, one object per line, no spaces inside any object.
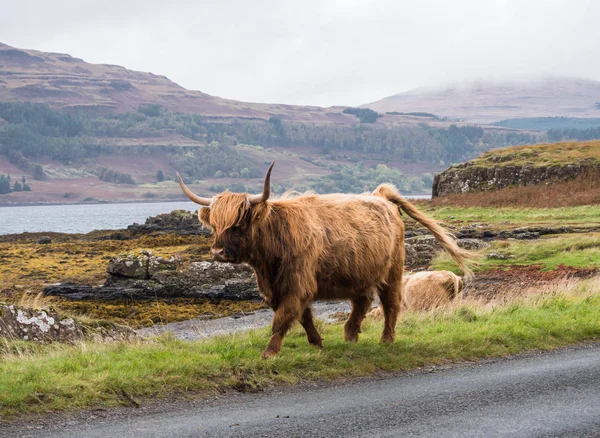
{"x":200,"y":328}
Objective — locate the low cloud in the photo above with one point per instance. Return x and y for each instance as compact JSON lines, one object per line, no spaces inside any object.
{"x":316,"y":52}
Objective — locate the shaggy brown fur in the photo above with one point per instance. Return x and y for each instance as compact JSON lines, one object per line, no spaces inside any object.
{"x":315,"y":247}
{"x":426,"y":291}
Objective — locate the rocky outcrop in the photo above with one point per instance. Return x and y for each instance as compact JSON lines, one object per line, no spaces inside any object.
{"x":145,"y":276}
{"x":420,"y":250}
{"x":485,"y":232}
{"x":180,"y":222}
{"x":468,"y":177}
{"x":130,"y":280}
{"x":43,"y":326}
{"x":141,"y":266}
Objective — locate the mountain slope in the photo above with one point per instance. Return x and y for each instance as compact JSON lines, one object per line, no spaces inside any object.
{"x":65,"y":82}
{"x":488,"y":101}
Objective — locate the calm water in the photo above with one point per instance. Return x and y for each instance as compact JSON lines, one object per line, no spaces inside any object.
{"x":86,"y":218}
{"x":82,"y":218}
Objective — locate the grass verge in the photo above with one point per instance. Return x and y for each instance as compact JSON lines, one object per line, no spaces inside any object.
{"x":507,"y":216}
{"x":59,"y":377}
{"x":549,"y":252}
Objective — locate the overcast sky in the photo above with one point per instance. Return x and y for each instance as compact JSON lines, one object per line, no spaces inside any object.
{"x":321,"y":52}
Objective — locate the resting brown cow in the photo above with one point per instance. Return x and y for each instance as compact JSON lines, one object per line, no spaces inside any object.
{"x":316,"y":247}
{"x":427,"y":290}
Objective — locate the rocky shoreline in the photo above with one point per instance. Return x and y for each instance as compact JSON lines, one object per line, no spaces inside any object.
{"x":144,"y":276}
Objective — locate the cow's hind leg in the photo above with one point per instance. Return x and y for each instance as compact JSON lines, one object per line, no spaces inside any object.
{"x":309,"y":326}
{"x":287,"y":312}
{"x":360,"y":306}
{"x":390,"y":295}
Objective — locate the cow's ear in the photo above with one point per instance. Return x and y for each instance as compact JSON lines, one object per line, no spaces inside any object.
{"x":204,"y":216}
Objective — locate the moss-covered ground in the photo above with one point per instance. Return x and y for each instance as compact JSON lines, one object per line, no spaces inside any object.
{"x":28,"y":266}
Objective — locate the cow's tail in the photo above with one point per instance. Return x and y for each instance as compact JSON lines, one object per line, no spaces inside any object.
{"x":461,"y":256}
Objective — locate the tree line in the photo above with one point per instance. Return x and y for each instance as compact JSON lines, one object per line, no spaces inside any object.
{"x":35,"y":130}
{"x":18,"y":186}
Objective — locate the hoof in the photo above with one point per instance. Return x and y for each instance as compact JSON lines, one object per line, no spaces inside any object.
{"x":267,"y":354}
{"x":352,"y":338}
{"x":386,"y":340}
{"x":316,"y":342}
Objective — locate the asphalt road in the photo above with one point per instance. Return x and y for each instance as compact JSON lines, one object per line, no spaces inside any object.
{"x":543,"y":395}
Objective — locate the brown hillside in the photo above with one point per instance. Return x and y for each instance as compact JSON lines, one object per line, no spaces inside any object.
{"x":488,"y":101}
{"x":65,"y":82}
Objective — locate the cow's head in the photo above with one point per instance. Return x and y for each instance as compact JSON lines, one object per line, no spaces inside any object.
{"x":230,"y":216}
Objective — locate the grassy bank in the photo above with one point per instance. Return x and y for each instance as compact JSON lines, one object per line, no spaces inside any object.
{"x":548,"y":252}
{"x":58,"y":377}
{"x":562,"y":153}
{"x":506,"y":217}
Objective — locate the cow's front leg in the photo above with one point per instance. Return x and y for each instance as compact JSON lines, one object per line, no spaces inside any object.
{"x":287,"y":312}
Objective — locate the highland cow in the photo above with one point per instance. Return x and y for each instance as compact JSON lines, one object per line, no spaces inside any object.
{"x":318,"y":247}
{"x":427,"y":290}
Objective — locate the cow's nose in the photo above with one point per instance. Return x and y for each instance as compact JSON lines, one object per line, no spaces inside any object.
{"x":218,"y":252}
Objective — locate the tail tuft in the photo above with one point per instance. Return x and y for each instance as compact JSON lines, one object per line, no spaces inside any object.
{"x":461,"y":256}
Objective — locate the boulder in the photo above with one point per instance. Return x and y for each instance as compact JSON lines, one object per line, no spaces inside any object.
{"x":207,"y":280}
{"x":43,"y":326}
{"x":180,"y":222}
{"x":141,"y":266}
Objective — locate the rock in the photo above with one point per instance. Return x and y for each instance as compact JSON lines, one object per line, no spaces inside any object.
{"x":526,"y":236}
{"x":419,"y":251}
{"x":499,"y":256}
{"x":210,"y":280}
{"x":41,"y":326}
{"x":425,"y":254}
{"x":468,"y":177}
{"x":473,"y":244}
{"x":206,"y":280}
{"x":180,"y":222}
{"x":128,"y":266}
{"x":410,"y":256}
{"x":44,"y":240}
{"x":517,"y":233}
{"x":141,"y":266}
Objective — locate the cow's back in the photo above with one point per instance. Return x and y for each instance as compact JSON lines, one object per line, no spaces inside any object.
{"x":357,"y":240}
{"x":430,"y":289}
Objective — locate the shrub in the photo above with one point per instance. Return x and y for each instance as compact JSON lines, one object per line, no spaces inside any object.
{"x":365,"y":115}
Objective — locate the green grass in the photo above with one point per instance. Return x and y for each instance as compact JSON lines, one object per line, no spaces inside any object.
{"x":553,"y":154}
{"x":59,"y":377}
{"x":575,"y":250}
{"x":579,"y":215}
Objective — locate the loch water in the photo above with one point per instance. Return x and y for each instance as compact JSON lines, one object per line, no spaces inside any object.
{"x":83,"y":218}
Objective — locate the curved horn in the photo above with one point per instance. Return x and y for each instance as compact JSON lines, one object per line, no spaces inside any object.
{"x":194,"y":198}
{"x":266,"y":189}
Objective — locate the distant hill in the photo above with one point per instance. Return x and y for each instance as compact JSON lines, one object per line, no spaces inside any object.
{"x":548,"y":123}
{"x":65,"y":82}
{"x":78,"y":132}
{"x":489,"y":101}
